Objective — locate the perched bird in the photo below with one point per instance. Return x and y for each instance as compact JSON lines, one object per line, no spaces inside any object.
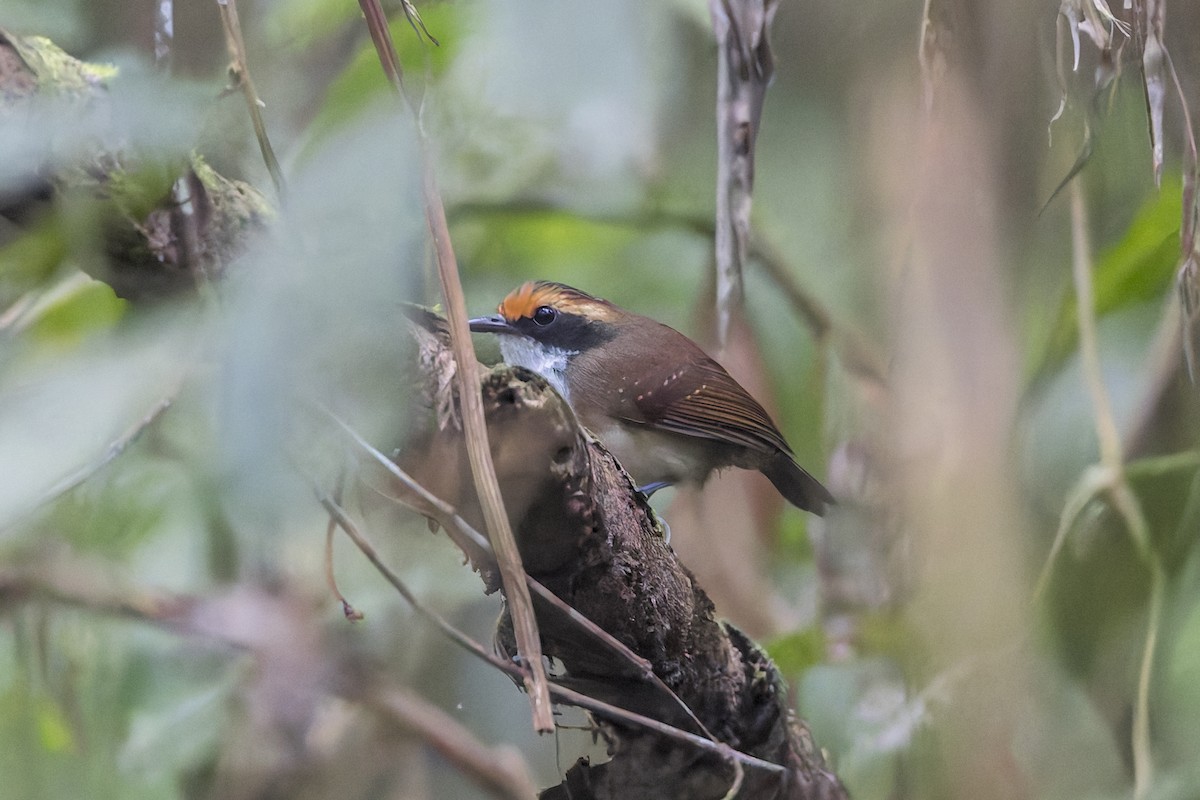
{"x":667,"y":411}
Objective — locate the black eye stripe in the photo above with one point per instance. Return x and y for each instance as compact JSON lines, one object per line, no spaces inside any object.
{"x":544,"y":315}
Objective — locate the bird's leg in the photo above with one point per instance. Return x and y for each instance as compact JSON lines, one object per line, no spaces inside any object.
{"x":649,"y":489}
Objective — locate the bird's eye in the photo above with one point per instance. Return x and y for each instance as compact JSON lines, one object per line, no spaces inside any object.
{"x":544,"y":315}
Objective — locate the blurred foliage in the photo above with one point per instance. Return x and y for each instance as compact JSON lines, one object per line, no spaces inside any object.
{"x":576,"y":142}
{"x":1139,"y":267}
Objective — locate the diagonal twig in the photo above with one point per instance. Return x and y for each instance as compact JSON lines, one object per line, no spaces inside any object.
{"x":471,"y":541}
{"x":500,"y":769}
{"x":350,"y":612}
{"x":113,"y":451}
{"x":562,"y":693}
{"x":171,"y":612}
{"x":241,"y":69}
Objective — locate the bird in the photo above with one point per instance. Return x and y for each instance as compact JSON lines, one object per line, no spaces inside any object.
{"x":668,"y":412}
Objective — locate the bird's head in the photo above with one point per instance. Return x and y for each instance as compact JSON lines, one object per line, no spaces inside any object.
{"x":554,"y":316}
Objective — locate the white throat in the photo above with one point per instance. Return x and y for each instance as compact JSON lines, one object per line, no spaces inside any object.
{"x":549,"y":362}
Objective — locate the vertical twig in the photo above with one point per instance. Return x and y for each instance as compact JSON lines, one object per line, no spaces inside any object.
{"x":744,"y":68}
{"x":164,"y":34}
{"x":1143,"y":759}
{"x":1081,"y":271}
{"x":348,"y":610}
{"x":237,"y":52}
{"x":1112,"y":458}
{"x":1121,"y":496}
{"x":508,"y":559}
{"x":1154,"y":78}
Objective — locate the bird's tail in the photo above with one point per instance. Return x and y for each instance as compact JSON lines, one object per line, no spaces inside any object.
{"x":794,"y":483}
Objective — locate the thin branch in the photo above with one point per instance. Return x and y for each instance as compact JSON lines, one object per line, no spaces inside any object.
{"x":350,"y":612}
{"x":462,"y":532}
{"x":927,"y":53}
{"x":1191,"y":166}
{"x":385,"y":49}
{"x":114,"y":450}
{"x":452,"y":633}
{"x":470,"y":540}
{"x":1161,"y":366}
{"x":1111,"y":455}
{"x":566,"y":695}
{"x":1091,"y":483}
{"x":744,"y":68}
{"x":164,"y":34}
{"x":171,"y":612}
{"x":1120,"y":494}
{"x":508,"y":559}
{"x":853,"y":350}
{"x":499,"y":770}
{"x":618,"y":714}
{"x":1143,"y":758}
{"x":241,"y":69}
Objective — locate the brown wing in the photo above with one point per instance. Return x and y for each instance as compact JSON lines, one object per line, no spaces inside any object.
{"x":702,"y":399}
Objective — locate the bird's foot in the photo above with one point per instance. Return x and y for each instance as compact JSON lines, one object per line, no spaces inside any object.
{"x":651,"y":488}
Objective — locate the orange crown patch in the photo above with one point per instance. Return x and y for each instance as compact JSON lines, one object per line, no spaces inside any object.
{"x":529,"y":297}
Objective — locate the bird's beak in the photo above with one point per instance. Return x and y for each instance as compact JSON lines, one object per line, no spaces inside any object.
{"x":492,"y":324}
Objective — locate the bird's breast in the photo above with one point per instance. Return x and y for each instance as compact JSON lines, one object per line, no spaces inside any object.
{"x":650,"y":455}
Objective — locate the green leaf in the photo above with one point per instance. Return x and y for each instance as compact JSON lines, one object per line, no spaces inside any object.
{"x":31,"y":258}
{"x":362,"y":83}
{"x":1138,"y":268}
{"x":53,"y":732}
{"x":794,"y":653}
{"x":139,"y":191}
{"x":79,"y":306}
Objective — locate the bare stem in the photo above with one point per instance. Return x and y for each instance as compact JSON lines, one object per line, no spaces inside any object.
{"x":350,"y":611}
{"x":115,"y":448}
{"x":508,"y":559}
{"x":499,"y":770}
{"x":1143,"y":758}
{"x":237,"y":52}
{"x":1120,"y":494}
{"x":1081,"y":271}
